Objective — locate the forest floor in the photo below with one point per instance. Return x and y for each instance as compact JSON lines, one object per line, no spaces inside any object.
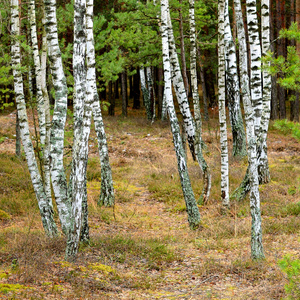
{"x":143,"y":247}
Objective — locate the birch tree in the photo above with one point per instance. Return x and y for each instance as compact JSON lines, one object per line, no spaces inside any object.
{"x":81,"y":131}
{"x":233,"y":90}
{"x":43,"y":201}
{"x":263,"y":168}
{"x":197,"y":113}
{"x":58,"y":177}
{"x":181,"y":95}
{"x":42,"y":98}
{"x":107,"y":196}
{"x":222,"y":111}
{"x":192,"y":209}
{"x":256,"y":231}
{"x":260,"y":94}
{"x":146,"y":94}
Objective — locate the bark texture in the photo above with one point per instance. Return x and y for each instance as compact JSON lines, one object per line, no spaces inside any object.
{"x":45,"y":207}
{"x":59,"y":182}
{"x":222,"y":110}
{"x":191,"y":206}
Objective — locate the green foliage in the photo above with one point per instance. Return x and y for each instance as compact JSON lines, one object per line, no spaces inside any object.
{"x":288,"y":68}
{"x":291,"y":267}
{"x":9,"y":287}
{"x":127,"y":36}
{"x":6,"y":78}
{"x":288,"y":127}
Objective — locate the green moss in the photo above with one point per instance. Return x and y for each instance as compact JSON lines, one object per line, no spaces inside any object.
{"x":4,"y":215}
{"x":4,"y":275}
{"x":102,"y":268}
{"x":6,"y":287}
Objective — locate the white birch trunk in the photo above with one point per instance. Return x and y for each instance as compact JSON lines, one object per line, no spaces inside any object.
{"x":151,"y":92}
{"x":256,"y":231}
{"x":192,"y":209}
{"x":107,"y":196}
{"x":145,"y":91}
{"x":37,"y":66}
{"x":255,"y":63}
{"x":178,"y":85}
{"x":197,"y":113}
{"x":222,"y":110}
{"x":263,"y":168}
{"x":43,"y":202}
{"x":42,"y":98}
{"x":58,"y":176}
{"x":233,"y":90}
{"x":81,"y":130}
{"x":47,"y":178}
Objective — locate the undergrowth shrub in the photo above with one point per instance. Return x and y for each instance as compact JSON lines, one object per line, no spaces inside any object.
{"x":288,"y":127}
{"x":291,"y":267}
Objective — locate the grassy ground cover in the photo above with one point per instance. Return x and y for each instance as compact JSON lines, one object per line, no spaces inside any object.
{"x":143,"y":248}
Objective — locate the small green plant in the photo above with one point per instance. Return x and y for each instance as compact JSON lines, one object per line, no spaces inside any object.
{"x":291,"y":267}
{"x":288,"y":127}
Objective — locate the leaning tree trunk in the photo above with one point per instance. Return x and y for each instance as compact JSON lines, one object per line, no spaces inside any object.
{"x":233,"y":90}
{"x":222,"y":110}
{"x":37,"y":66}
{"x":107,"y":196}
{"x":191,"y":206}
{"x":42,"y":99}
{"x":182,"y":51}
{"x":59,"y":182}
{"x":180,"y":90}
{"x":197,"y":113}
{"x":256,"y":231}
{"x":43,"y":201}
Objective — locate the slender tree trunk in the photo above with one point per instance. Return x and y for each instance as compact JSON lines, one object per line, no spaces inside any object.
{"x":182,"y":51}
{"x":160,"y":92}
{"x":204,"y":92}
{"x":107,"y":196}
{"x":222,"y":110}
{"x":42,"y":99}
{"x":112,"y":98}
{"x":18,"y":136}
{"x":263,"y":165}
{"x":256,"y":231}
{"x":136,"y":91}
{"x":145,"y":92}
{"x":192,"y":209}
{"x":37,"y":65}
{"x":233,"y":91}
{"x":280,"y":51}
{"x":180,"y":90}
{"x":261,"y":110}
{"x":47,"y":177}
{"x":150,"y":92}
{"x":58,"y":177}
{"x":197,"y":114}
{"x":274,"y":100}
{"x":44,"y":206}
{"x":81,"y":129}
{"x":124,"y":94}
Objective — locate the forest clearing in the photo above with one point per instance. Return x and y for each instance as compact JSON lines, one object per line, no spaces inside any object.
{"x":142,"y":248}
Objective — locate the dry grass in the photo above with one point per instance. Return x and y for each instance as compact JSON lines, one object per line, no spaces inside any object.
{"x":143,"y":248}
